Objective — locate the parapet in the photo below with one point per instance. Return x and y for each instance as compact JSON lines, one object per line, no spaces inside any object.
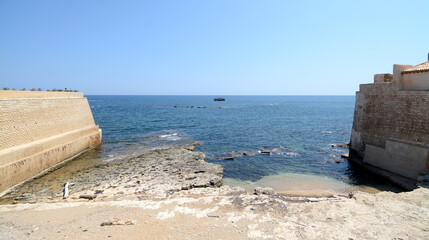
{"x":406,"y":77}
{"x":38,"y":94}
{"x":383,"y":78}
{"x":39,"y":130}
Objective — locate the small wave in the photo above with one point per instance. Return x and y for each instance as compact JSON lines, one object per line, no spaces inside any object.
{"x":327,"y":132}
{"x":168,"y":135}
{"x":165,"y":138}
{"x":286,"y":153}
{"x":171,"y":137}
{"x":126,"y":150}
{"x":292,"y":153}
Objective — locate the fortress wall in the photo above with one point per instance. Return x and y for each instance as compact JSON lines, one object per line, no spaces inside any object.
{"x":38,"y":94}
{"x":24,"y":120}
{"x":41,"y":129}
{"x":391,"y":128}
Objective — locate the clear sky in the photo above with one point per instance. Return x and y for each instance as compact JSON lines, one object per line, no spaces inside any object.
{"x":202,"y":47}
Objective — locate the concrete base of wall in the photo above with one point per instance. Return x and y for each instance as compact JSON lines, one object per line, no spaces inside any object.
{"x":14,"y":173}
{"x":404,"y":182}
{"x":404,"y":158}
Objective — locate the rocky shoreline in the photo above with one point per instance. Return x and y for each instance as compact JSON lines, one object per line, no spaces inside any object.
{"x":176,"y":194}
{"x":156,"y":174}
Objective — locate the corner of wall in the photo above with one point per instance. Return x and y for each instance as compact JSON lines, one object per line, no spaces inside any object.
{"x":397,"y":75}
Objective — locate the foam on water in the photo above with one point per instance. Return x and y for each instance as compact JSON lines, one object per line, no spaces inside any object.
{"x":171,"y":137}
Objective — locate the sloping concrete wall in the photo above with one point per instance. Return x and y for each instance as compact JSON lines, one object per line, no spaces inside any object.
{"x":403,"y":158}
{"x":391,"y":126}
{"x":41,"y":129}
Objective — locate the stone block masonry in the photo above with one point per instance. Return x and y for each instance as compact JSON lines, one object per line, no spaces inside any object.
{"x":391,"y":122}
{"x":39,"y":130}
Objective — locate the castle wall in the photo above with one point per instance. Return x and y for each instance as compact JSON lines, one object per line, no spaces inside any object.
{"x":390,"y":126}
{"x":41,"y":129}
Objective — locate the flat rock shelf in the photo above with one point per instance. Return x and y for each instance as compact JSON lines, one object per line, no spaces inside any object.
{"x":155,"y":174}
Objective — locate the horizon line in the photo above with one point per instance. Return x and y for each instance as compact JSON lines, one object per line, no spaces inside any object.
{"x":217,"y":95}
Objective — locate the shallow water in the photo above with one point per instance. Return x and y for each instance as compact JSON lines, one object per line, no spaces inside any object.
{"x":306,"y":184}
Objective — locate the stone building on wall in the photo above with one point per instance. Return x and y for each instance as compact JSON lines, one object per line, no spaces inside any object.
{"x":391,"y":122}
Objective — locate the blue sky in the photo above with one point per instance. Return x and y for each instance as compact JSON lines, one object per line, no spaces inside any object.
{"x":208,"y":47}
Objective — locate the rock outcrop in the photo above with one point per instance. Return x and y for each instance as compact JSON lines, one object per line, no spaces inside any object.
{"x":155,"y":174}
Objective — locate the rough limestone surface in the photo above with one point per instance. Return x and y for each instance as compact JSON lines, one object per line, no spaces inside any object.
{"x":155,"y":174}
{"x":174,"y":194}
{"x":224,"y":213}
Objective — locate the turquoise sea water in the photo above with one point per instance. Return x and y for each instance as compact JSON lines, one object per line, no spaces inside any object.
{"x":303,"y":128}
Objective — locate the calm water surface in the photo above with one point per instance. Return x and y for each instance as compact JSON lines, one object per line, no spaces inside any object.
{"x":302,"y":127}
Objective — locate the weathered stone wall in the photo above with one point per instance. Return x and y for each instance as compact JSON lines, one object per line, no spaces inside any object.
{"x":41,"y":129}
{"x":391,"y":126}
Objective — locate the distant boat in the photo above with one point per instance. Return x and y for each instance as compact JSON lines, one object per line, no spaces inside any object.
{"x":219,"y":99}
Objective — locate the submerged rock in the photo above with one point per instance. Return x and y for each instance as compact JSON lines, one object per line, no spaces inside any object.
{"x":278,"y":150}
{"x":250,"y":153}
{"x":266,"y":151}
{"x":337,"y":161}
{"x":346,"y":145}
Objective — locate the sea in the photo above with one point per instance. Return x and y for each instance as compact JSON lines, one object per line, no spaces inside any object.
{"x":303,"y":134}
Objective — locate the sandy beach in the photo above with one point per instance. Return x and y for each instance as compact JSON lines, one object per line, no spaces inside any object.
{"x":180,"y":198}
{"x":224,"y":213}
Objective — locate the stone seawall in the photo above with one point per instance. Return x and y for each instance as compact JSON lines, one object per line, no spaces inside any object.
{"x":39,"y":130}
{"x":390,"y":126}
